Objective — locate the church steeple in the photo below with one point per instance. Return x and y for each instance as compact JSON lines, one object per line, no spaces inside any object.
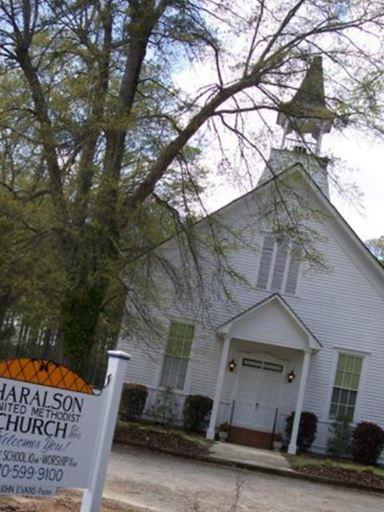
{"x":307,"y":112}
{"x":305,"y":119}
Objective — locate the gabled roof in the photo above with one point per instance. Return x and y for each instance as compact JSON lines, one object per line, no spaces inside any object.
{"x":226,"y":327}
{"x":360,"y":245}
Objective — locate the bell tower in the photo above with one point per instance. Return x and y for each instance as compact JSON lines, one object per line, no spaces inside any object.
{"x":304,"y":119}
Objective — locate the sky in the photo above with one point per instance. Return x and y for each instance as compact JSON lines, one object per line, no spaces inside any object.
{"x":366,"y":159}
{"x":359,"y":195}
{"x":359,"y":157}
{"x":360,"y":166}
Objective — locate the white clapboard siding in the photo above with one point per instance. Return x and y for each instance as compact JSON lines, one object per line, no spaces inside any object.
{"x":343,"y":306}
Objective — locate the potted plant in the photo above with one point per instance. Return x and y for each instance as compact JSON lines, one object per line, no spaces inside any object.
{"x":277,"y":441}
{"x":223,"y":431}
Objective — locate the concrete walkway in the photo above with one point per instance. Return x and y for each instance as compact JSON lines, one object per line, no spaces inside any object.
{"x":249,"y":457}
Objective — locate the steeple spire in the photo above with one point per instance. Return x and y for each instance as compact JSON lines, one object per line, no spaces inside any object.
{"x":307,"y":112}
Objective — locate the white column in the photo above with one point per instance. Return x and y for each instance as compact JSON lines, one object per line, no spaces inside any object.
{"x":292,"y":448}
{"x":219,"y":387}
{"x":116,"y":370}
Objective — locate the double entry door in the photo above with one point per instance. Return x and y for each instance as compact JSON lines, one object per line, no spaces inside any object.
{"x":257,"y":393}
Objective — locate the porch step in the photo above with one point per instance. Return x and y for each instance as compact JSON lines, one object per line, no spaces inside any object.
{"x":248,"y":437}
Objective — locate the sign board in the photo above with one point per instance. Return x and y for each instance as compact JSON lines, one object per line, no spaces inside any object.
{"x":49,"y":425}
{"x":54,"y":430}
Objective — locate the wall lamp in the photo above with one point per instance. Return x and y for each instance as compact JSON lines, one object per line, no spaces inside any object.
{"x":291,"y":376}
{"x":232,"y":365}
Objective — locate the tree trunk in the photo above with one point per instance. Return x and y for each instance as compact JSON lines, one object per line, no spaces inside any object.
{"x":80,"y":312}
{"x":89,"y":274}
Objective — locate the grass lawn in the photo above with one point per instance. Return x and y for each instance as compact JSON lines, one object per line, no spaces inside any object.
{"x":300,"y":461}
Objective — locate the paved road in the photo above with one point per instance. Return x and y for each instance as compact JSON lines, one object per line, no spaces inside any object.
{"x":163,"y":483}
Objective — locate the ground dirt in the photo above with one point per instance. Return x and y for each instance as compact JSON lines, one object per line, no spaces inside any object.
{"x":160,"y":438}
{"x":65,"y":502}
{"x":362,"y":478}
{"x":147,"y":481}
{"x":164,"y":483}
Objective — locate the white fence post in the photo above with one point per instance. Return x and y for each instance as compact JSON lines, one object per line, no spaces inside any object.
{"x":116,"y":370}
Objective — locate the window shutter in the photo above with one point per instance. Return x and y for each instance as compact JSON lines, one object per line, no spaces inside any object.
{"x":293,"y":270}
{"x":280,"y":264}
{"x":265,"y":261}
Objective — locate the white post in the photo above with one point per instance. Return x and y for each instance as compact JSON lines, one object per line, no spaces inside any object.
{"x":292,"y":448}
{"x":116,"y":369}
{"x":219,"y":387}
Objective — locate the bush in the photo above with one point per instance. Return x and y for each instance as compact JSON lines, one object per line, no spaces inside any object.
{"x":307,"y":429}
{"x":165,"y":410}
{"x":196,"y":412}
{"x":132,"y":401}
{"x":339,"y":442}
{"x":224,"y":427}
{"x":367,"y":442}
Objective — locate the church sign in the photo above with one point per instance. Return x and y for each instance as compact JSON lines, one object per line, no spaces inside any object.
{"x":53,"y":429}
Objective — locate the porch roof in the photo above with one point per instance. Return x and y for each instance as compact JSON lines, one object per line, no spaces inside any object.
{"x":271,"y":321}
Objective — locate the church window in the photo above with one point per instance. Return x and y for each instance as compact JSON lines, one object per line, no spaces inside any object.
{"x":346,"y":385}
{"x":177,"y":355}
{"x":279,"y":265}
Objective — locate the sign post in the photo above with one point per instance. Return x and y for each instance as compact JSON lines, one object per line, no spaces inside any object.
{"x":116,"y":369}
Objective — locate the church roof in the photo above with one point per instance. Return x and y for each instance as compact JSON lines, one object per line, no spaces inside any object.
{"x":313,"y":341}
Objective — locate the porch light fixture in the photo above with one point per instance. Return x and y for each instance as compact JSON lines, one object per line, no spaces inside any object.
{"x":232,"y":365}
{"x":291,"y":376}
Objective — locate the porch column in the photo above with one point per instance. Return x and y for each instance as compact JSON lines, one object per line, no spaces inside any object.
{"x":292,"y":448}
{"x":219,"y":387}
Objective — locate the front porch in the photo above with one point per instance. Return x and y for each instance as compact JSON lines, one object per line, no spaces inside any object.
{"x":264,"y":364}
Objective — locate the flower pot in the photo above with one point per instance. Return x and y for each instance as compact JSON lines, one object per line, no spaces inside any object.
{"x":277,"y":445}
{"x":223,"y":436}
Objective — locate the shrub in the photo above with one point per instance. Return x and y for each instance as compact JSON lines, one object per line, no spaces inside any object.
{"x":165,"y":410}
{"x":307,"y":429}
{"x":132,"y":402}
{"x":224,"y":427}
{"x":196,"y":412}
{"x":339,"y":442}
{"x":367,"y":442}
{"x":278,"y":437}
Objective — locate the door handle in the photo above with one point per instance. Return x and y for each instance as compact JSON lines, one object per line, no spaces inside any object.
{"x":256,"y":406}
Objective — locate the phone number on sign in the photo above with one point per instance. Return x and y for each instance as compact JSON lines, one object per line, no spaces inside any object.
{"x":20,"y":472}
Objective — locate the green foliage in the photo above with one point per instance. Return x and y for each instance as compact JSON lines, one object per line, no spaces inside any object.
{"x":367,"y":442}
{"x":164,"y":411}
{"x":307,"y":429}
{"x":133,"y":399}
{"x":376,"y":246}
{"x":196,"y":411}
{"x":100,"y":149}
{"x":224,"y":427}
{"x":339,"y":441}
{"x":278,"y":437}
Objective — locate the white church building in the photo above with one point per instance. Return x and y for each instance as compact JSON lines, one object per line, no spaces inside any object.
{"x":297,"y":332}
